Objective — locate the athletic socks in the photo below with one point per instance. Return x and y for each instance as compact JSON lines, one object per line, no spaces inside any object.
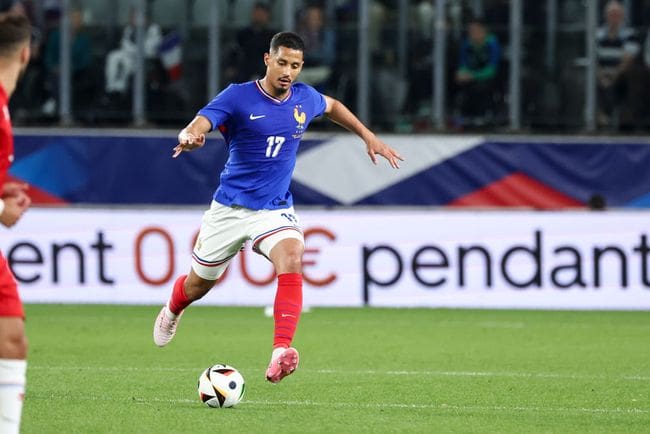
{"x":178,"y":301}
{"x":12,"y":391}
{"x":277,"y":352}
{"x":286,"y":309}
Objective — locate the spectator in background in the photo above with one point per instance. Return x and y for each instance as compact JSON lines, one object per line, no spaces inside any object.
{"x":646,"y":51}
{"x":420,"y":66}
{"x":619,"y":77}
{"x":250,"y":46}
{"x":81,"y":62}
{"x":497,"y":15}
{"x":11,"y":6}
{"x":645,"y":17}
{"x":320,"y":48}
{"x":30,"y":93}
{"x":480,"y":55}
{"x":120,"y":63}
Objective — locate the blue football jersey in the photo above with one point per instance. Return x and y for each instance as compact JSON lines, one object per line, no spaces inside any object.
{"x":262,"y":134}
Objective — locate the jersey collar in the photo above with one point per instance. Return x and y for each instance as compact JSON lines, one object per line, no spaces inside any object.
{"x":271,"y":97}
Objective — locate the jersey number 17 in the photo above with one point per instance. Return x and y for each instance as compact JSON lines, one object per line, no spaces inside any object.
{"x":274,"y":145}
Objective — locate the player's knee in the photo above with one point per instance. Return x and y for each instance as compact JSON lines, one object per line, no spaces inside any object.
{"x":291,"y":262}
{"x":14,"y":346}
{"x":287,"y":256}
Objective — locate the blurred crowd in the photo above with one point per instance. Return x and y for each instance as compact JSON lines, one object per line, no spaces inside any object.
{"x":104,"y":56}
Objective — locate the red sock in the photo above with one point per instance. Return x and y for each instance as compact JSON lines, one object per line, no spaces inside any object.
{"x":179,"y":301}
{"x":287,"y":308}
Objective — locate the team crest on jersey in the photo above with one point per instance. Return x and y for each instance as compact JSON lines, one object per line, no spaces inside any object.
{"x":301,"y":118}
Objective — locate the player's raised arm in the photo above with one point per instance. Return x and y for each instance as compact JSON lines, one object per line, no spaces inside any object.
{"x":339,"y":113}
{"x":193,"y":135}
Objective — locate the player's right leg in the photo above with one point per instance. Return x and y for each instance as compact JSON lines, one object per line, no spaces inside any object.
{"x":277,"y":236}
{"x":286,"y":256}
{"x":219,"y":240}
{"x":13,"y":352}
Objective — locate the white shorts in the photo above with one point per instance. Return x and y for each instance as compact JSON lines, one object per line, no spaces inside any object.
{"x":225,"y":229}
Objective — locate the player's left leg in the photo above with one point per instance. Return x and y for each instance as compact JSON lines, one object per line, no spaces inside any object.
{"x":220,"y":239}
{"x":13,"y":366}
{"x":187,"y":289}
{"x":284,"y":246}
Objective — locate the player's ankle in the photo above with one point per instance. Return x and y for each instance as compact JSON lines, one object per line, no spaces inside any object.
{"x":169,"y":314}
{"x":278,"y":350}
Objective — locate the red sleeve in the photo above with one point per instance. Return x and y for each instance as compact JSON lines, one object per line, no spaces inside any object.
{"x":6,"y":138}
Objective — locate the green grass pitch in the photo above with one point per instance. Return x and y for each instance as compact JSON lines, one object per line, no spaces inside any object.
{"x":95,"y":369}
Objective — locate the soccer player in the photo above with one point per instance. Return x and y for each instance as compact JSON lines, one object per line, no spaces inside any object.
{"x":15,"y":31}
{"x":262,"y":122}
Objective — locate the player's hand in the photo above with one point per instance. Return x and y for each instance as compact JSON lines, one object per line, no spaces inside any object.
{"x":375,"y":147}
{"x":14,"y":188}
{"x":187,"y":142}
{"x":15,"y":207}
{"x":23,"y":200}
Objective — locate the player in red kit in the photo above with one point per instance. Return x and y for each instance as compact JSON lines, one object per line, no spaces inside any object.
{"x":15,"y":33}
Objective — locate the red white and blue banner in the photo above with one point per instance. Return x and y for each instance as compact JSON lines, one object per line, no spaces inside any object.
{"x":387,"y":257}
{"x":117,"y":167}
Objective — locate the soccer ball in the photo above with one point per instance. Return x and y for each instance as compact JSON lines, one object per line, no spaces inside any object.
{"x":221,"y":386}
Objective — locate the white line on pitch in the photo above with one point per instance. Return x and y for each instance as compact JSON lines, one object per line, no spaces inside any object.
{"x":451,"y":407}
{"x":415,"y":406}
{"x":484,"y":374}
{"x":483,"y":324}
{"x":360,"y":372}
{"x":521,"y":324}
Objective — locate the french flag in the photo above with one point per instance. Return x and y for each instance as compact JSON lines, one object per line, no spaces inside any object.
{"x":171,"y":55}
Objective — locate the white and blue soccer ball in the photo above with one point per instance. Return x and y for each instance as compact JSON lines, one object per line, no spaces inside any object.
{"x":221,"y":386}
